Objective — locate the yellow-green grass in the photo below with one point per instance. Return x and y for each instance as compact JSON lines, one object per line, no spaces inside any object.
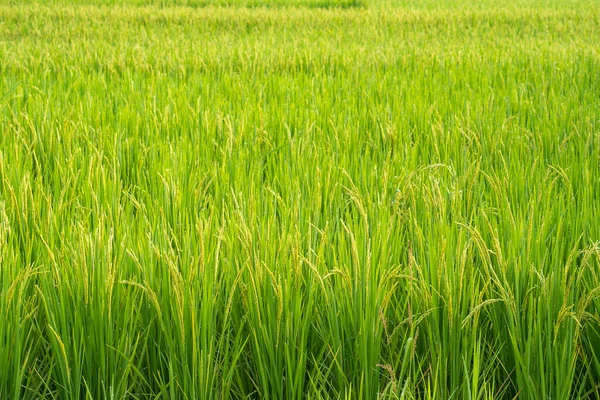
{"x":396,"y":200}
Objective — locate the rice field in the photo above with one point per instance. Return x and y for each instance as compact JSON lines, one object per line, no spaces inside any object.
{"x":299,"y":199}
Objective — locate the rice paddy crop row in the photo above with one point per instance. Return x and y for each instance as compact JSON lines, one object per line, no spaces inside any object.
{"x":290,"y":203}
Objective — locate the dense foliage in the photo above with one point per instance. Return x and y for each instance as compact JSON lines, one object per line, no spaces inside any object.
{"x":357,"y":202}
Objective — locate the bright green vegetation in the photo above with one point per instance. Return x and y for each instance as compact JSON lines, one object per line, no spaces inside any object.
{"x":394,"y":201}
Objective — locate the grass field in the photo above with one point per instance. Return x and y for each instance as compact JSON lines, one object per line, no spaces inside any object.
{"x":299,"y":199}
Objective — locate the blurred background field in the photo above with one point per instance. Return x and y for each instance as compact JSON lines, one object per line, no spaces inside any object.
{"x":340,"y":4}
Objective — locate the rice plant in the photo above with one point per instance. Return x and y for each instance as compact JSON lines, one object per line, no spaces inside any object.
{"x":289,"y":200}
